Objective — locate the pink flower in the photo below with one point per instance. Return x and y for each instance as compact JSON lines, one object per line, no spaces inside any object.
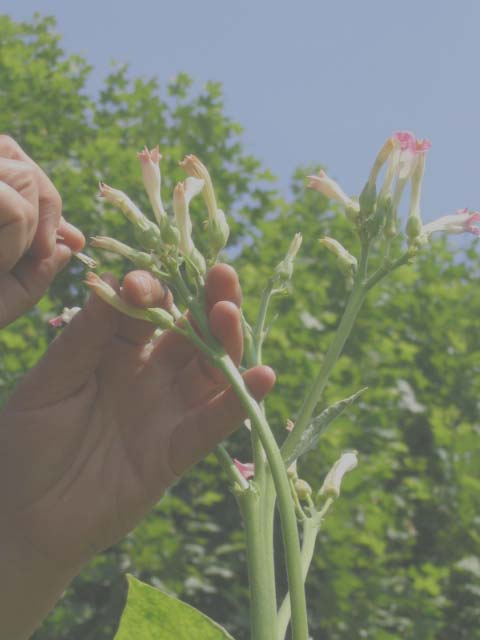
{"x":152,"y":179}
{"x":408,"y":142}
{"x":247,"y":469}
{"x":331,"y":189}
{"x":463,"y":220}
{"x":66,"y":316}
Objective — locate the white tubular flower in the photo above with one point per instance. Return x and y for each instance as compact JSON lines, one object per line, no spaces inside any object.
{"x":141,"y":259}
{"x":182,"y":195}
{"x":463,"y":221}
{"x":123,"y":202}
{"x":152,"y":180}
{"x":103,"y":290}
{"x":332,"y":190}
{"x":331,"y":485}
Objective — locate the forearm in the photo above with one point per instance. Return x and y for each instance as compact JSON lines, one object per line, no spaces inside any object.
{"x":29,"y":589}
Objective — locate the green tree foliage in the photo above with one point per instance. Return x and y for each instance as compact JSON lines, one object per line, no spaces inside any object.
{"x":398,"y":556}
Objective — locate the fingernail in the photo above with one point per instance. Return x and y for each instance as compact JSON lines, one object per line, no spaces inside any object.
{"x":144,"y":285}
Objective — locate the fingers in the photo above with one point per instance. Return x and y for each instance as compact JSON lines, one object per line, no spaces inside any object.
{"x":21,"y":173}
{"x":141,"y":289}
{"x":222,"y":285}
{"x":71,"y":236}
{"x":206,"y":426}
{"x":17,"y":219}
{"x":26,"y":283}
{"x":199,"y":379}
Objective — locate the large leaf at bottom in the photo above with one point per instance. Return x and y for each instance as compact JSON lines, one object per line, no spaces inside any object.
{"x":151,"y":614}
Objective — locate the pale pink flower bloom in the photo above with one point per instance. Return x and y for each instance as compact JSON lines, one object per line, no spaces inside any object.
{"x":65,"y":317}
{"x":247,"y":469}
{"x":331,"y":189}
{"x":152,"y":179}
{"x":462,"y":221}
{"x":410,"y":148}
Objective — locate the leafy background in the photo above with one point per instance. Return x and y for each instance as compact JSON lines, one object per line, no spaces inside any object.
{"x":399,"y":555}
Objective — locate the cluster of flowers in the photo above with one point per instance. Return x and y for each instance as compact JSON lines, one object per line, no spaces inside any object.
{"x":406,"y":156}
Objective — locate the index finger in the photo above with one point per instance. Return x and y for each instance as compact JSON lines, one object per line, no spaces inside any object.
{"x":49,"y":201}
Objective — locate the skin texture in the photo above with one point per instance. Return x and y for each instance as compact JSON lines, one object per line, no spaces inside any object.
{"x":108,"y":419}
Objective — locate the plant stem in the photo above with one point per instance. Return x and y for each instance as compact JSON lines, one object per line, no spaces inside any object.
{"x":311,"y":527}
{"x":286,"y":508}
{"x":263,"y":604}
{"x":354,"y":305}
{"x":310,"y":530}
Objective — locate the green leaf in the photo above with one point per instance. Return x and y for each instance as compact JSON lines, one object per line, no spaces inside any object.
{"x":151,"y":614}
{"x":318,"y":425}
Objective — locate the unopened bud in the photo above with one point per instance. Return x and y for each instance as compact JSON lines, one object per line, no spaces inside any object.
{"x":87,"y":260}
{"x":331,"y":485}
{"x":284,"y":269}
{"x":302,"y":489}
{"x":382,"y":156}
{"x":414,"y":223}
{"x":149,"y":233}
{"x":152,"y":180}
{"x":292,"y":470}
{"x":195,"y":168}
{"x":345,"y":261}
{"x":140,"y":259}
{"x":182,"y":195}
{"x":218,"y":232}
{"x":160,"y":317}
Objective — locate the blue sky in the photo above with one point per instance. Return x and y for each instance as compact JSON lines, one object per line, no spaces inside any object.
{"x":310,"y":80}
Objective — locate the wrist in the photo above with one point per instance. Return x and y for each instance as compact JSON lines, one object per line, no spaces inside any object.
{"x":31,"y":585}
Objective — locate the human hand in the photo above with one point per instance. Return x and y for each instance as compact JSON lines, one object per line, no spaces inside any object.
{"x":30,"y":218}
{"x":108,"y":420}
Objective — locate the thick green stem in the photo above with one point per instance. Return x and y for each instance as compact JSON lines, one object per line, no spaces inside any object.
{"x":263,"y":604}
{"x":352,"y":309}
{"x":311,"y":527}
{"x":285,"y":503}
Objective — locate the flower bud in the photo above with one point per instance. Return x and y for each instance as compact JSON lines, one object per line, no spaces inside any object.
{"x":182,"y":195}
{"x":129,"y":209}
{"x":152,"y":180}
{"x":195,"y":168}
{"x":292,"y":470}
{"x":139,"y":258}
{"x":218,"y":232}
{"x":87,"y":260}
{"x":331,"y":485}
{"x":160,"y":317}
{"x":414,"y":223}
{"x":302,"y":489}
{"x":383,"y":155}
{"x":332,"y":190}
{"x":284,"y":270}
{"x":345,"y":261}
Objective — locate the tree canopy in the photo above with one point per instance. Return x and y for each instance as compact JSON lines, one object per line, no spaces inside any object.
{"x":399,"y":555}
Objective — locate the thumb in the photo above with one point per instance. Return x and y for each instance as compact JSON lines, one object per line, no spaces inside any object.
{"x":71,"y":358}
{"x":21,"y":288}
